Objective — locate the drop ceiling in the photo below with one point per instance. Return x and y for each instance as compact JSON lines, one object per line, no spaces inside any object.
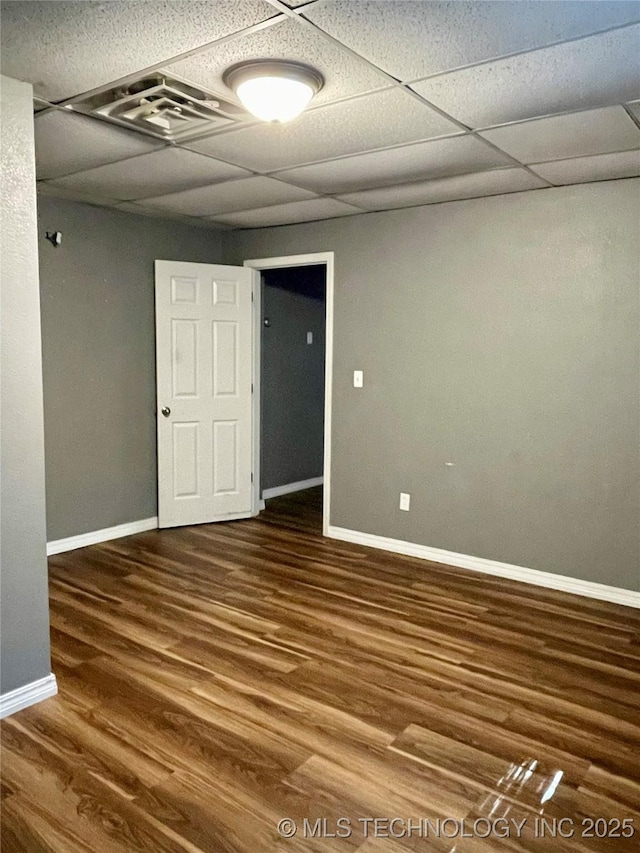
{"x":424,"y":102}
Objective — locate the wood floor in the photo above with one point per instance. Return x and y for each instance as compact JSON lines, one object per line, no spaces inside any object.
{"x":215,"y":680}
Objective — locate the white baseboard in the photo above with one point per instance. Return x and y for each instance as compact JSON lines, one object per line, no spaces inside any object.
{"x":95,"y":536}
{"x":22,"y":697}
{"x":292,"y":487}
{"x":491,"y":567}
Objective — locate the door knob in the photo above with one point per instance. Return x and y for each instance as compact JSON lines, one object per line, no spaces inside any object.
{"x":166,"y":411}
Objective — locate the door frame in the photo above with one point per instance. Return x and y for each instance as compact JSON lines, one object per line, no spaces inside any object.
{"x":258,"y":265}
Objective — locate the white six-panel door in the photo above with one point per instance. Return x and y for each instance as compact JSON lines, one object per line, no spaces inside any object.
{"x":204,"y":374}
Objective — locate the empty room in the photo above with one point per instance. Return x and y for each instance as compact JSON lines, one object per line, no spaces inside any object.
{"x":383,"y":595}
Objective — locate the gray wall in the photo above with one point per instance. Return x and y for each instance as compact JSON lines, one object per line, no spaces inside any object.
{"x":292,"y":376}
{"x":25,"y":608}
{"x":501,"y":335}
{"x":98,"y":334}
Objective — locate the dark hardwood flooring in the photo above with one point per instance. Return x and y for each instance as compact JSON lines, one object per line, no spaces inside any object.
{"x":217,"y":679}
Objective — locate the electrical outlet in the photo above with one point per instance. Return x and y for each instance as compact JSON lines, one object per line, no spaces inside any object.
{"x":405,"y":501}
{"x":358,"y":379}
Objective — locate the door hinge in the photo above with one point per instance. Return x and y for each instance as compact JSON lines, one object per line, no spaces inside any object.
{"x":252,"y":295}
{"x":252,"y":387}
{"x":252,"y":476}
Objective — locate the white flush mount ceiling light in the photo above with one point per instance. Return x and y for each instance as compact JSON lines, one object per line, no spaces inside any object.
{"x":272,"y":89}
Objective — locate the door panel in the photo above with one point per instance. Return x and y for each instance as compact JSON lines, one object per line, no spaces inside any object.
{"x":225,"y":457}
{"x":184,"y":357}
{"x":185,"y":460}
{"x":204,"y":365}
{"x":225,"y":358}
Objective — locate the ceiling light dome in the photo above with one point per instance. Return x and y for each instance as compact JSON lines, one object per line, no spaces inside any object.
{"x":272,"y":89}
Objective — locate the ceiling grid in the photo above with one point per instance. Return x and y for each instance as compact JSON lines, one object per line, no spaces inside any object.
{"x":424,"y":101}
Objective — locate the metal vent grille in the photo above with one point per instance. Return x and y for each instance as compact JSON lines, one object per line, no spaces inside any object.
{"x":161,"y":106}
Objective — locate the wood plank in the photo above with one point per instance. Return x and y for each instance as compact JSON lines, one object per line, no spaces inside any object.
{"x":216,"y":679}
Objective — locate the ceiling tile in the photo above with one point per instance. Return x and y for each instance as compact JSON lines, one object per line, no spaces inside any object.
{"x":372,"y":121}
{"x":434,"y":159}
{"x":226,"y":198}
{"x":68,"y":143}
{"x":132,"y":207}
{"x":344,"y":75}
{"x":154,"y":174}
{"x":65,"y":48}
{"x":207,"y":224}
{"x":573,"y":135}
{"x":601,"y":167}
{"x":49,"y":189}
{"x":286,"y":214}
{"x":594,"y":72}
{"x":411,"y":40}
{"x":445,"y":189}
{"x":635,"y":109}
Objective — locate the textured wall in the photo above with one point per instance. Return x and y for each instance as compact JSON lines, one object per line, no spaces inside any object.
{"x":292,"y":380}
{"x":25,"y":607}
{"x":98,"y":331}
{"x":500,"y":335}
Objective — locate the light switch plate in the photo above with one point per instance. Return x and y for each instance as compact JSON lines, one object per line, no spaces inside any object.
{"x":358,"y":379}
{"x":405,"y":501}
{"x":309,"y":337}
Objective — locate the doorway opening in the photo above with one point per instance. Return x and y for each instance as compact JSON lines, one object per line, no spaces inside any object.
{"x":293,"y":303}
{"x":293,"y":312}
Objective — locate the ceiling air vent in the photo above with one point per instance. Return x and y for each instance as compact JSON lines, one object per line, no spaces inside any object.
{"x":161,"y":106}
